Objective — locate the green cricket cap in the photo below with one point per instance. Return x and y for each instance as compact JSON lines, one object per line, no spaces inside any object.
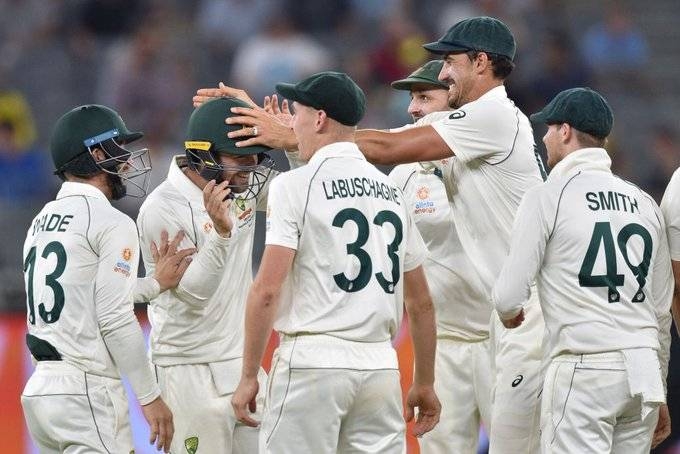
{"x":86,"y":126}
{"x":484,"y":33}
{"x":582,"y":108}
{"x":207,"y":130}
{"x":426,"y":74}
{"x":333,"y":92}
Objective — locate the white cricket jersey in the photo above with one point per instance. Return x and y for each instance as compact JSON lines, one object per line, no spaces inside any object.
{"x":597,"y":247}
{"x":201,"y":320}
{"x":494,"y":164}
{"x":462,"y":308}
{"x":80,"y":271}
{"x":354,"y":239}
{"x":670,"y":206}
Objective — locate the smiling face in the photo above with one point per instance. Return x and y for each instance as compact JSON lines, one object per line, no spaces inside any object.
{"x":304,"y":127}
{"x":458,"y":73}
{"x":237,"y":170}
{"x":426,"y":99}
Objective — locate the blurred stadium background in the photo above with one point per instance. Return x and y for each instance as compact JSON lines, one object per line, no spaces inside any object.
{"x":146,"y":58}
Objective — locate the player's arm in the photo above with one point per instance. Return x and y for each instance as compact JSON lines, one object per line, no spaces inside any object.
{"x":261,"y":308}
{"x":115,"y":281}
{"x":527,"y":248}
{"x":423,"y":329}
{"x":421,"y":143}
{"x":169,"y":267}
{"x":203,"y":274}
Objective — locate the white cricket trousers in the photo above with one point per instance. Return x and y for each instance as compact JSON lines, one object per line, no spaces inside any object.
{"x":517,"y":364}
{"x":199,"y":396}
{"x":73,"y":412}
{"x":587,"y":408}
{"x":328,"y":396}
{"x":463,"y":384}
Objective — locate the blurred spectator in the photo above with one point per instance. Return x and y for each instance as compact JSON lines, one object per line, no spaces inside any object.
{"x":25,"y":170}
{"x":665,"y":154}
{"x":279,"y":52}
{"x":111,"y":18}
{"x":615,"y":49}
{"x":400,"y":49}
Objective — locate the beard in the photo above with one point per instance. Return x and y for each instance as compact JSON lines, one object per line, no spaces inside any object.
{"x":118,"y":189}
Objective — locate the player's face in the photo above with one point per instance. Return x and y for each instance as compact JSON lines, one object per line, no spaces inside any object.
{"x":426,"y":99}
{"x":304,"y":127}
{"x":238,"y":180}
{"x":457,"y":72}
{"x":552,"y":142}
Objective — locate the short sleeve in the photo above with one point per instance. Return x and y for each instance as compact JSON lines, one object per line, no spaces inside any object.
{"x":284,"y":223}
{"x":670,"y":207}
{"x":479,"y":131}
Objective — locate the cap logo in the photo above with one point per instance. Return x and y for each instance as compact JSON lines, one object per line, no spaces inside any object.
{"x":197,"y":145}
{"x":101,"y":137}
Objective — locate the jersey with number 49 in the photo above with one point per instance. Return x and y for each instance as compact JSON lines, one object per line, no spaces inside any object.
{"x":354,"y":239}
{"x":598,"y":249}
{"x":80,"y":271}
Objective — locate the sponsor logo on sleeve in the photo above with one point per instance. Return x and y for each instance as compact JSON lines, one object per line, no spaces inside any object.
{"x":191,"y":445}
{"x":123,"y":264}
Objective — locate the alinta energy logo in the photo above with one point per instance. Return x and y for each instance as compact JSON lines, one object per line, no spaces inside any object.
{"x":424,"y":205}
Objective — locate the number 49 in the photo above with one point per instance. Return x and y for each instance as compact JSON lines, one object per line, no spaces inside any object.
{"x":602,"y":233}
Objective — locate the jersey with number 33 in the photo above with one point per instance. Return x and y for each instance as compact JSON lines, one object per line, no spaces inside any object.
{"x":354,"y":239}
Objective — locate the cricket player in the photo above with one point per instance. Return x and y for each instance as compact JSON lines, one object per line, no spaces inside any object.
{"x":487,"y":147}
{"x":80,"y":265}
{"x":342,"y":256}
{"x":212,"y":193}
{"x":462,"y":365}
{"x":596,"y":246}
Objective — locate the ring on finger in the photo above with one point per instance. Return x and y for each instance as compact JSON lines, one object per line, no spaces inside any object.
{"x":255,"y":132}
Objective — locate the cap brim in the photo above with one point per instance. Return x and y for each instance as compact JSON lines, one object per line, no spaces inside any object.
{"x":439,"y":47}
{"x":406,"y":84}
{"x":538,"y":117}
{"x":287,"y":91}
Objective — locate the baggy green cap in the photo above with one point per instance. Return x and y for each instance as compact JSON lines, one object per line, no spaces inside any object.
{"x":333,"y":92}
{"x":483,"y":33}
{"x":86,"y":126}
{"x":582,"y":108}
{"x":426,"y":74}
{"x":208,"y":131}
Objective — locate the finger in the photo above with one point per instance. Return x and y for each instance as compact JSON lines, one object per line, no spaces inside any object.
{"x":258,"y":140}
{"x":241,"y":119}
{"x":284,"y":107}
{"x":209,"y":92}
{"x":267,"y":104}
{"x":252,"y":406}
{"x":275,"y":104}
{"x":207,"y":190}
{"x":154,"y":252}
{"x":243,"y":132}
{"x":408,"y":415}
{"x":172,"y":249}
{"x":154,"y":431}
{"x":183,"y":265}
{"x":162,"y":441}
{"x":236,"y":93}
{"x":163,"y":250}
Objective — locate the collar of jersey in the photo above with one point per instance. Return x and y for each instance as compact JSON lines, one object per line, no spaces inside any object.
{"x":583,"y":159}
{"x":69,"y":188}
{"x":337,"y":150}
{"x":182,"y":183}
{"x":494,"y":93}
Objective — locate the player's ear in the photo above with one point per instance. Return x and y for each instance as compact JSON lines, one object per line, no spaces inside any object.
{"x":566,"y":132}
{"x":321,"y":120}
{"x":98,"y":154}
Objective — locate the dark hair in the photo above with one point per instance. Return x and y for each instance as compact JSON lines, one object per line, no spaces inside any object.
{"x":501,"y":65}
{"x":82,"y":166}
{"x":589,"y":140}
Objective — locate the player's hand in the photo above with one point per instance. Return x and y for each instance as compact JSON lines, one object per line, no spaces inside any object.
{"x":663,"y":426}
{"x":217,"y":205}
{"x":514,"y":322}
{"x":271,"y":105}
{"x":170,"y":263}
{"x":271,"y":131}
{"x":206,"y":94}
{"x":243,"y":401}
{"x":429,"y":408}
{"x":159,"y":417}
